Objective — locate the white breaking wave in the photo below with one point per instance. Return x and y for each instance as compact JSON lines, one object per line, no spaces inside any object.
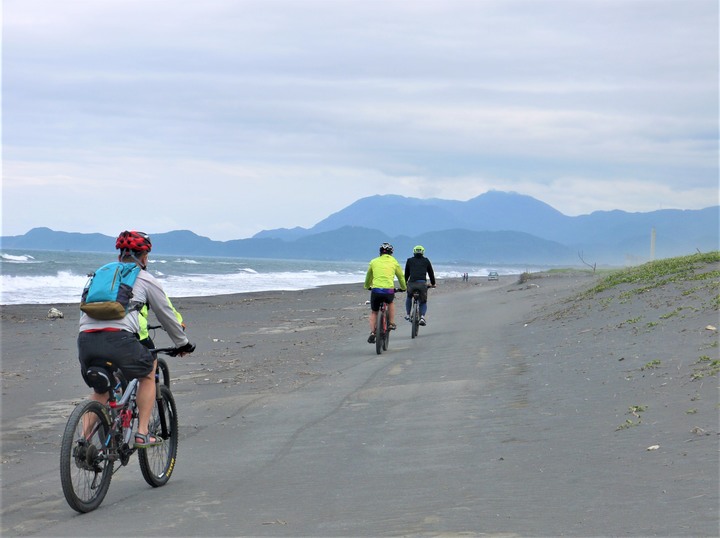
{"x":59,"y":277}
{"x":18,"y":259}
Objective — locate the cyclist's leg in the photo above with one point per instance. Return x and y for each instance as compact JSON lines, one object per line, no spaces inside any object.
{"x":375,"y":300}
{"x":136,"y":361}
{"x":423,"y":300}
{"x":145,"y":398}
{"x":391,"y":310}
{"x":373,"y":320}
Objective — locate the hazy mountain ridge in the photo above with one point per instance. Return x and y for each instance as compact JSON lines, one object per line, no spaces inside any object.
{"x":496,"y":227}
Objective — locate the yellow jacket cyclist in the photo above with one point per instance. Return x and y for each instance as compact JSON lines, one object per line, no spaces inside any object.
{"x":380,"y":279}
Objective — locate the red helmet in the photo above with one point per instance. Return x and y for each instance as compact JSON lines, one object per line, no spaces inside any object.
{"x":135,"y":241}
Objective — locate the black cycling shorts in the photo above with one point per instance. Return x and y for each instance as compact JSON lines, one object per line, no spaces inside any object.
{"x":376,"y":299}
{"x":120,"y":348}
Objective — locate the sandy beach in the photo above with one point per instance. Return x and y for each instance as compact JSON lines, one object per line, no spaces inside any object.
{"x":592,"y":414}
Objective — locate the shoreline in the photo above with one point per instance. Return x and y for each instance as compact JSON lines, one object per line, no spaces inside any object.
{"x":359,"y":285}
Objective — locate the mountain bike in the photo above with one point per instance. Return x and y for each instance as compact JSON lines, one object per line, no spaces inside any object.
{"x":382,"y":327}
{"x":97,"y":436}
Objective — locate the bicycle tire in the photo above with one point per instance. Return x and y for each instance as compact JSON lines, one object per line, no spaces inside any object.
{"x":414,"y":318}
{"x":163,"y":372}
{"x":379,"y":331}
{"x":158,"y":462}
{"x":85,"y":471}
{"x":386,"y":331}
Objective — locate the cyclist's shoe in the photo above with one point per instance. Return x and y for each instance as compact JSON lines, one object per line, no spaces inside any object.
{"x":393,"y":326}
{"x":146,"y":440}
{"x":407,"y":318}
{"x":371,"y":338}
{"x":422,"y":321}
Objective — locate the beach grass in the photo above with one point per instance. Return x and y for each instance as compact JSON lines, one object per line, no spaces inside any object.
{"x":660,"y":272}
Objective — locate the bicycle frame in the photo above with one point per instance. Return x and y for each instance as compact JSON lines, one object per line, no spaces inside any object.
{"x":123,"y":415}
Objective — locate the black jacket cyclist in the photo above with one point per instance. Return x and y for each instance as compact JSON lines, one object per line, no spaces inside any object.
{"x":418,"y":270}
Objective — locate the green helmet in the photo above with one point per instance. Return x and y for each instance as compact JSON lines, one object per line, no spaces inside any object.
{"x":419,"y":249}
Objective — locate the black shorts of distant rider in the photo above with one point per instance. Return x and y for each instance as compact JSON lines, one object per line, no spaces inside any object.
{"x":379,"y":296}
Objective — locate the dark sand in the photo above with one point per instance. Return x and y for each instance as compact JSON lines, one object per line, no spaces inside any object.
{"x":598,"y":416}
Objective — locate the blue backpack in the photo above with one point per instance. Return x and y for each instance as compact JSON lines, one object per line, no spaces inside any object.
{"x":108,"y":292}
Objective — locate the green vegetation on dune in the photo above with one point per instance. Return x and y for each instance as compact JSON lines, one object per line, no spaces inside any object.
{"x":660,"y":272}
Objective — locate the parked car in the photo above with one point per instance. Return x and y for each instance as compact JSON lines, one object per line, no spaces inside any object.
{"x":493,"y":275}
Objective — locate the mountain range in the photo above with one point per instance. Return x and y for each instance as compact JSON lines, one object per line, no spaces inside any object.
{"x":493,"y":228}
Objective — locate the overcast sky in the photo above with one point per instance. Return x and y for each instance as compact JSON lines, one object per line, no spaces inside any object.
{"x":227,"y":117}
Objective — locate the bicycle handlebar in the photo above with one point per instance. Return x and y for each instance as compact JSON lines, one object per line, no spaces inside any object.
{"x":174,"y":351}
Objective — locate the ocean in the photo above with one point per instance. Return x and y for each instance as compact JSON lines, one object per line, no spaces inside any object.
{"x":47,"y":277}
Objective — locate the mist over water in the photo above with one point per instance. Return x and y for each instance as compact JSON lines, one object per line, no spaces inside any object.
{"x":47,"y":277}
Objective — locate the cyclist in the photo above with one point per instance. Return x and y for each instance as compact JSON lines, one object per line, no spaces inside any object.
{"x":380,"y":280}
{"x":116,"y":340}
{"x":417,"y":271}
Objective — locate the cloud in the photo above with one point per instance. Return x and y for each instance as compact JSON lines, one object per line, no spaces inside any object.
{"x":234,"y":116}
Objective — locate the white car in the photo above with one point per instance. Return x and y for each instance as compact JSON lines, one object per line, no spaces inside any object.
{"x":493,"y":275}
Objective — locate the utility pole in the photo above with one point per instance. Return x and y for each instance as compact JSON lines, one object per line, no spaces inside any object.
{"x":652,"y":244}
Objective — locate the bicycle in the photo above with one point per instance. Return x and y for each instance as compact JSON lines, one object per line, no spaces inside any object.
{"x":97,"y":436}
{"x":382,"y":327}
{"x":415,"y":312}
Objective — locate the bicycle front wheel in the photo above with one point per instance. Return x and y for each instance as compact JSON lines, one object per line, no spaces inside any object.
{"x":85,"y":468}
{"x":163,"y":372}
{"x":157,"y":462}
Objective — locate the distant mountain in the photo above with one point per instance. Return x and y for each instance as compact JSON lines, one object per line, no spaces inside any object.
{"x":613,"y":235}
{"x":494,"y":228}
{"x":492,"y":211}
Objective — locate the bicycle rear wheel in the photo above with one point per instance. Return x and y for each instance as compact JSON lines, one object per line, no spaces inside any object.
{"x":379,"y":330}
{"x":85,"y":469}
{"x":386,"y":330}
{"x":157,"y":462}
{"x":414,"y":318}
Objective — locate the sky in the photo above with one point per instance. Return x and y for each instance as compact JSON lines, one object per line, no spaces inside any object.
{"x":228,"y":117}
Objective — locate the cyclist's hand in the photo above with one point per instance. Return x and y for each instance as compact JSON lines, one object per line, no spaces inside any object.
{"x":183,"y":350}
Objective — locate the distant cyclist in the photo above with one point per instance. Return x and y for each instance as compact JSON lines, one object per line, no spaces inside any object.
{"x":380,"y":280}
{"x":417,"y":271}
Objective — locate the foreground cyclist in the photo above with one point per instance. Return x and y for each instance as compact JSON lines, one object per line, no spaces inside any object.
{"x":417,"y":271}
{"x":116,"y":340}
{"x":380,"y":280}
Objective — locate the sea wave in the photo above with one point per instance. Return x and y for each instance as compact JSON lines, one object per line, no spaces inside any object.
{"x":24,"y":258}
{"x":59,"y":277}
